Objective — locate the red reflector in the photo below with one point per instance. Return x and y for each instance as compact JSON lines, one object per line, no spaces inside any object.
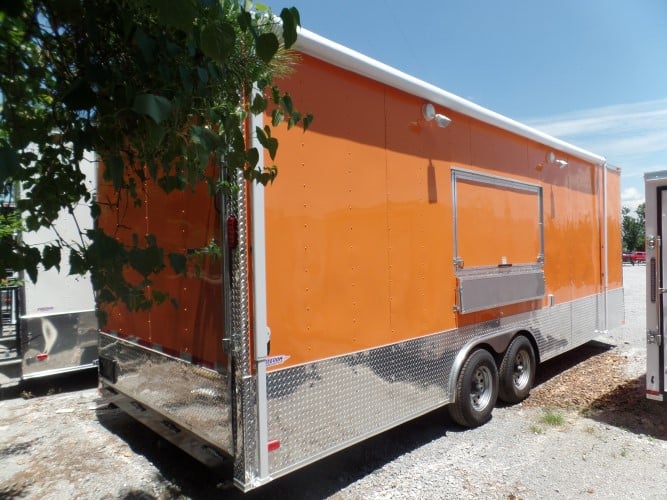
{"x":274,"y":445}
{"x":42,"y":356}
{"x":652,"y":393}
{"x":232,"y":232}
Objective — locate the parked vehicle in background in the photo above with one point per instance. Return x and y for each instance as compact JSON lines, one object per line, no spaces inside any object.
{"x":634,"y":257}
{"x":638,"y":257}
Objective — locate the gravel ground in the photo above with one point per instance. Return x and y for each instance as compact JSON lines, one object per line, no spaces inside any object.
{"x":585,"y":432}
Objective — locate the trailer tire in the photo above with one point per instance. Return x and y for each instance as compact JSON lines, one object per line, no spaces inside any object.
{"x":476,"y":390}
{"x":517,"y":371}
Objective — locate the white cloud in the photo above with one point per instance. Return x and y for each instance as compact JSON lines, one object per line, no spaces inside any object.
{"x":632,"y":198}
{"x":632,"y":136}
{"x":623,"y":130}
{"x":616,"y":119}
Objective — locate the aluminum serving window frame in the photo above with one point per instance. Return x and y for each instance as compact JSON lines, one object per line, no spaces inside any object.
{"x":488,"y":286}
{"x":458,"y":173}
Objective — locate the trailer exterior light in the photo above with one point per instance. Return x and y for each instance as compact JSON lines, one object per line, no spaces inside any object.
{"x":273,"y":445}
{"x":442,"y":121}
{"x":428,"y":111}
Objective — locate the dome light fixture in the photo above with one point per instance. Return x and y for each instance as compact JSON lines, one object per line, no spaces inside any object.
{"x":428,"y":111}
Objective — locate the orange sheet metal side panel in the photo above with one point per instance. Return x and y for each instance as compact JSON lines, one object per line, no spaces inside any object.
{"x":326,"y":221}
{"x":419,"y":227}
{"x":573,"y":232}
{"x":181,"y":221}
{"x":359,"y":221}
{"x":614,"y":237}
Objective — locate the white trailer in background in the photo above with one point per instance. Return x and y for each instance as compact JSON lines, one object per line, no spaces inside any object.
{"x":656,"y":280}
{"x":48,"y":327}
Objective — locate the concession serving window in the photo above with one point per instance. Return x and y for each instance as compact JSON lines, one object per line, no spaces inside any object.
{"x":498,"y":240}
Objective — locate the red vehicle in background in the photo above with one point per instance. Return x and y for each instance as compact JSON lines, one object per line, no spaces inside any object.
{"x":639,"y":256}
{"x":634,"y":257}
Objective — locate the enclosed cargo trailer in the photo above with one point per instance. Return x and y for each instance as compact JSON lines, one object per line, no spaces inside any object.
{"x":49,"y":327}
{"x":655,"y":212}
{"x":415,"y":251}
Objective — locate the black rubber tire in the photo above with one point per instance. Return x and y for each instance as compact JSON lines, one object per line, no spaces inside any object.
{"x":476,"y":390}
{"x":517,"y":371}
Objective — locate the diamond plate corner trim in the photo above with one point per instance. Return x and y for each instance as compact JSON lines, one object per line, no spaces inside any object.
{"x":194,"y":397}
{"x":319,"y":408}
{"x":245,"y":404}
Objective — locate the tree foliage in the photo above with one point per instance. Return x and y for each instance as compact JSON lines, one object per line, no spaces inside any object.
{"x":157,"y":89}
{"x":633,"y":228}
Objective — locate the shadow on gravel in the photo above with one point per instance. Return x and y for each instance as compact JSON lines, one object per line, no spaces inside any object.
{"x":627,"y":407}
{"x":55,"y":384}
{"x":11,"y":492}
{"x":183,"y":476}
{"x":179,"y":474}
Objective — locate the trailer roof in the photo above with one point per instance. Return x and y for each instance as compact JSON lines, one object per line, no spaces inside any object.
{"x":322,"y":48}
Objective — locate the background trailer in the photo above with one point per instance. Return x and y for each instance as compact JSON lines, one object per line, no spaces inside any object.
{"x":656,"y":226}
{"x":48,"y":327}
{"x":415,"y":251}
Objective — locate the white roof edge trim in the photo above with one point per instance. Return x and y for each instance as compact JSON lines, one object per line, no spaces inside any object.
{"x":322,"y":48}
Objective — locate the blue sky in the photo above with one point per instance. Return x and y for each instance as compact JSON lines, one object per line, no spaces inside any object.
{"x":591,"y":72}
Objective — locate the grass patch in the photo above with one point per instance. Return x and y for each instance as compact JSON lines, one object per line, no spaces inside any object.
{"x":536,"y":429}
{"x":552,"y":418}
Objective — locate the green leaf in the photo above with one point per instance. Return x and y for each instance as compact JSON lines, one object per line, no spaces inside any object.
{"x":307,"y":121}
{"x":217,"y":40}
{"x":245,"y":20}
{"x":204,"y":137}
{"x":178,"y":262}
{"x":79,"y":96}
{"x":267,"y":46}
{"x":155,"y":106}
{"x":252,"y":157}
{"x":258,"y":105}
{"x":146,"y":45}
{"x":265,"y":139}
{"x":10,"y":166}
{"x":176,"y":13}
{"x":287,"y":104}
{"x":51,"y":257}
{"x":291,"y":20}
{"x":277,"y":117}
{"x":114,"y":170}
{"x":146,"y":260}
{"x":169,"y":183}
{"x":293,"y":119}
{"x":77,"y":264}
{"x":159,"y":297}
{"x":31,"y":259}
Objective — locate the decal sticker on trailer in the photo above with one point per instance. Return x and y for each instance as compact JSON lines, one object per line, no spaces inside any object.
{"x":276,"y":360}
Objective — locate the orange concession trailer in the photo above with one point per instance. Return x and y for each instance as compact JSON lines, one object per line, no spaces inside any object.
{"x":415,"y":251}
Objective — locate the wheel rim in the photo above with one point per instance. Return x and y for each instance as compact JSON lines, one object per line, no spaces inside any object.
{"x":482,"y":388}
{"x":522,"y":370}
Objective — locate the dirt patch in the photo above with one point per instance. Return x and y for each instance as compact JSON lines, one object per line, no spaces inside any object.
{"x":580,"y":386}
